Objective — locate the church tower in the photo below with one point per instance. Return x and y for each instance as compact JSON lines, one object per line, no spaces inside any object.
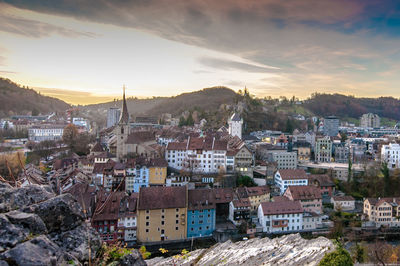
{"x":235,"y":123}
{"x":122,"y":130}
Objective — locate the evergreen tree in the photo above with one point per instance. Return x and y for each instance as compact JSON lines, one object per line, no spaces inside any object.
{"x":386,"y":179}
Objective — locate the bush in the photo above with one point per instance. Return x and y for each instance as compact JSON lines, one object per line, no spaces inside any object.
{"x":340,"y":257}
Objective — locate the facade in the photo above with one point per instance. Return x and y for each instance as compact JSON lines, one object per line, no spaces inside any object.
{"x":391,"y":155}
{"x":331,"y":126}
{"x":383,"y":212}
{"x":45,"y":132}
{"x":243,"y":161}
{"x":325,"y":184}
{"x":127,"y":220}
{"x":309,"y":197}
{"x":290,"y":177}
{"x":303,"y":151}
{"x":311,"y":221}
{"x":344,"y":203}
{"x":201,"y":213}
{"x":162,"y":214}
{"x":281,"y":216}
{"x":323,"y":150}
{"x":198,"y":155}
{"x":113,"y":115}
{"x":284,"y":159}
{"x":137,"y":176}
{"x":157,"y":172}
{"x":235,"y":123}
{"x":342,"y":152}
{"x":256,"y":195}
{"x":239,"y":211}
{"x":370,"y":121}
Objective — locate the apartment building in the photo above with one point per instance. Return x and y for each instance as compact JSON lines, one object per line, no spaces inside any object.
{"x":309,"y":197}
{"x":323,"y":150}
{"x":383,"y":211}
{"x":391,"y":155}
{"x":290,"y":177}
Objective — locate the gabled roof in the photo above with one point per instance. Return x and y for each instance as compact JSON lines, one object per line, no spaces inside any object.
{"x":305,"y":192}
{"x":281,"y":207}
{"x":97,"y":148}
{"x":151,"y":198}
{"x":200,"y":199}
{"x":323,"y":180}
{"x":242,"y":202}
{"x":343,"y":198}
{"x":108,"y":209}
{"x":287,"y":174}
{"x":235,"y":117}
{"x":139,"y":137}
{"x":223,"y":195}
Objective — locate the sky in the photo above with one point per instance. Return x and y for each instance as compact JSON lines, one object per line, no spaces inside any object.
{"x":85,"y":51}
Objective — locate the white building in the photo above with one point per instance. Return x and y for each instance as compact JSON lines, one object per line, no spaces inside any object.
{"x":344,"y":203}
{"x":390,"y":154}
{"x":235,"y":123}
{"x":284,"y":159}
{"x":311,"y":221}
{"x":290,"y":177}
{"x":81,"y":122}
{"x":113,"y":115}
{"x":45,"y":132}
{"x":281,"y":216}
{"x":198,"y":155}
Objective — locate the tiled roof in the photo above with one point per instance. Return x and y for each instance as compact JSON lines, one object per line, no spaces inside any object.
{"x":281,"y":207}
{"x":223,"y":195}
{"x":287,"y":174}
{"x":323,"y":180}
{"x":242,"y":202}
{"x":177,"y":145}
{"x":305,"y":192}
{"x":97,"y":148}
{"x":108,"y":210}
{"x":343,"y":198}
{"x":200,"y":199}
{"x":162,"y":198}
{"x":139,"y":137}
{"x":235,"y":117}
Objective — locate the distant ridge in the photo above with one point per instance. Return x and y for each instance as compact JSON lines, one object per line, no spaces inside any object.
{"x":15,"y":99}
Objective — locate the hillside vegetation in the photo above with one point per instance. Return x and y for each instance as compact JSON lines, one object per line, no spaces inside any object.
{"x":15,"y":99}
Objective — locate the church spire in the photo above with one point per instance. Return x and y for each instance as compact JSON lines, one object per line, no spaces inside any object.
{"x":124,"y":119}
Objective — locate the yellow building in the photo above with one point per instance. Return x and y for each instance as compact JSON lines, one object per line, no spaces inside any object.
{"x":256,"y":195}
{"x":157,"y":171}
{"x":162,"y":214}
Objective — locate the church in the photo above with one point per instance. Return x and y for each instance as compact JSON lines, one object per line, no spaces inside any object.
{"x":138,"y":143}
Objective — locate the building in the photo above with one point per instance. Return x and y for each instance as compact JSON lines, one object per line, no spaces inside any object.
{"x":45,"y":132}
{"x":239,"y":211}
{"x":290,"y":177}
{"x":235,"y":123}
{"x":127,"y":220}
{"x":325,"y":184}
{"x":370,"y":121}
{"x":137,"y":175}
{"x":243,"y":161}
{"x":162,"y":214}
{"x":303,"y":151}
{"x":81,"y":122}
{"x":342,"y":152}
{"x":201,"y":213}
{"x":283,"y":159}
{"x":121,"y":131}
{"x":281,"y":216}
{"x":311,"y":221}
{"x":198,"y":155}
{"x":391,"y":155}
{"x":383,"y":211}
{"x":344,"y":203}
{"x":309,"y":197}
{"x":113,"y":115}
{"x":331,"y":126}
{"x":157,"y":171}
{"x":323,"y":150}
{"x":256,"y":195}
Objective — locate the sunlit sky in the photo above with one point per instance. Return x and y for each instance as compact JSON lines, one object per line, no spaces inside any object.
{"x":84,"y":51}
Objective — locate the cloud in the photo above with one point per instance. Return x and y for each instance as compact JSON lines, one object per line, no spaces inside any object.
{"x":36,"y":29}
{"x":234,"y":65}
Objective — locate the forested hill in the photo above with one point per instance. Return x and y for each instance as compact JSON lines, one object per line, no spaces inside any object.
{"x":15,"y":99}
{"x":349,"y":106}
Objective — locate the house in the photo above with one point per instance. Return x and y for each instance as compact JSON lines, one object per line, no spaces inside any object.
{"x":290,"y":177}
{"x":284,"y":159}
{"x":324,"y":182}
{"x":309,"y":197}
{"x":157,"y":171}
{"x":383,"y":211}
{"x":127,"y":220}
{"x":323,"y":149}
{"x":280,"y":216}
{"x":137,"y":175}
{"x":303,"y":151}
{"x":162,"y":214}
{"x":223,"y":197}
{"x":239,"y":211}
{"x":243,"y":161}
{"x":311,"y":221}
{"x":344,"y":203}
{"x":256,"y":195}
{"x":391,"y":155}
{"x":201,"y":213}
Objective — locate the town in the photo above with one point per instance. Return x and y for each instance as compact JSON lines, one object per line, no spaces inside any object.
{"x":152,"y":184}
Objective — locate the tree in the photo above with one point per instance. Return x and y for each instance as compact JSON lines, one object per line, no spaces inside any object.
{"x":70,"y":135}
{"x":359,"y":253}
{"x":340,"y":257}
{"x":245,"y":181}
{"x":349,"y":170}
{"x":386,"y":179}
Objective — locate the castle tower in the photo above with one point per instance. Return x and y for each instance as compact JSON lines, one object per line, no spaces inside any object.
{"x":122,"y":130}
{"x":235,"y":123}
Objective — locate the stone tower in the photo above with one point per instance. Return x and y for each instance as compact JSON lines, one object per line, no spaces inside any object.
{"x":235,"y":125}
{"x":122,"y":130}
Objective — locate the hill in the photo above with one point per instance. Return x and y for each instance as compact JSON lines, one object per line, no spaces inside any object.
{"x":15,"y":99}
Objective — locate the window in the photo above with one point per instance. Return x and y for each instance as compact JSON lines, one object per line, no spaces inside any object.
{"x":177,"y":221}
{"x":147,"y":223}
{"x":147,"y":211}
{"x":177,"y":228}
{"x":162,"y":231}
{"x":147,"y":217}
{"x":147,"y":230}
{"x":177,"y":210}
{"x":162,"y":222}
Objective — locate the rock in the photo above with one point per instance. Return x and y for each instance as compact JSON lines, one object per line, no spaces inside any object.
{"x":75,"y":242}
{"x":16,"y":198}
{"x":3,"y":263}
{"x":38,"y":251}
{"x":10,"y":235}
{"x":285,"y":250}
{"x":29,"y":221}
{"x":134,"y":259}
{"x":61,"y":213}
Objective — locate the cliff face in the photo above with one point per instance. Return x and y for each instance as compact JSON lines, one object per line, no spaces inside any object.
{"x":39,"y":228}
{"x":285,"y":250}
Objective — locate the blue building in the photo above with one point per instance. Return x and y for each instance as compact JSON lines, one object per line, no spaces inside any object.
{"x":201,"y":213}
{"x":137,"y":176}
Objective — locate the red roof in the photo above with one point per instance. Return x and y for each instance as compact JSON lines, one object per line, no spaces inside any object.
{"x":305,"y":192}
{"x":281,"y":207}
{"x":151,"y":198}
{"x":223,"y":195}
{"x":287,"y":174}
{"x":139,"y":137}
{"x":343,"y":198}
{"x":200,"y":199}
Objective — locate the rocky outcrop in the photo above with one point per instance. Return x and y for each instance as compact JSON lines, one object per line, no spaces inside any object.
{"x":39,"y":228}
{"x":285,"y":250}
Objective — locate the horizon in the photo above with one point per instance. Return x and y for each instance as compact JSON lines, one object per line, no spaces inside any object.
{"x":83,"y":52}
